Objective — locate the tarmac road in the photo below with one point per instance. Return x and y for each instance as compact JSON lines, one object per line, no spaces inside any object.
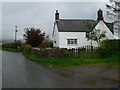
{"x":19,"y":72}
{"x":0,"y":69}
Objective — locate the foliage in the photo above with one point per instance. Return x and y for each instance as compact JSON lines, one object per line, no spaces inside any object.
{"x":11,"y":45}
{"x":72,"y":62}
{"x":95,"y":35}
{"x":49,"y":53}
{"x":10,"y":49}
{"x":34,"y":36}
{"x":67,"y":53}
{"x":90,"y":55}
{"x":56,"y":53}
{"x":25,"y":48}
{"x":62,"y":52}
{"x":46,"y":44}
{"x":109,"y":47}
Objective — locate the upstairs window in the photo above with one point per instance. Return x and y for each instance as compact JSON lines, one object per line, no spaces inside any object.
{"x":72,"y":41}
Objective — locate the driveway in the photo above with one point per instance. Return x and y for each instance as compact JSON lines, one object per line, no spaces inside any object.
{"x":19,"y":72}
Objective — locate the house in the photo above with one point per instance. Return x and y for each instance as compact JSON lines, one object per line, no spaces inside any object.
{"x":71,"y":33}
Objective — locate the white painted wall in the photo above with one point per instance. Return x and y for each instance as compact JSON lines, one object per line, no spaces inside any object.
{"x":61,"y":37}
{"x":82,"y":41}
{"x":102,"y":27}
{"x":119,"y":33}
{"x":56,"y":37}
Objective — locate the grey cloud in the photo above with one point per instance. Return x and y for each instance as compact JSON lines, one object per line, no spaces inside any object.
{"x":29,"y":14}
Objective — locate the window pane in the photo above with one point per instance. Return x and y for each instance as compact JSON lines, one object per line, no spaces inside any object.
{"x":75,"y":41}
{"x":71,"y":41}
{"x":68,"y":41}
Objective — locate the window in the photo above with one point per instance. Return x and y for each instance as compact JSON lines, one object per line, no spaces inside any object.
{"x":71,"y":41}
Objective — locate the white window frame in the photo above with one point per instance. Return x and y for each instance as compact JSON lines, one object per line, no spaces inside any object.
{"x":72,"y":41}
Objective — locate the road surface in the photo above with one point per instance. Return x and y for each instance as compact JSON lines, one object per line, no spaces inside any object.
{"x":19,"y":72}
{"x":0,"y":69}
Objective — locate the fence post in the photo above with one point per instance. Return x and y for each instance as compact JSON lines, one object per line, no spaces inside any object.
{"x":78,"y":52}
{"x":83,"y":52}
{"x":72,"y":53}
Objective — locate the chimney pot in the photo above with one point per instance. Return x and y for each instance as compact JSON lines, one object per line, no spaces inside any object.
{"x":100,"y":15}
{"x":56,"y":16}
{"x":56,"y":11}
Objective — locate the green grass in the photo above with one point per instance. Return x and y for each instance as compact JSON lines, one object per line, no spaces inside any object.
{"x":113,"y":60}
{"x":9,"y":49}
{"x":90,"y":54}
{"x":115,"y":66}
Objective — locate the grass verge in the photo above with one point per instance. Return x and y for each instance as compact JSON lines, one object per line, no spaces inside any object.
{"x":9,"y":49}
{"x":113,"y":60}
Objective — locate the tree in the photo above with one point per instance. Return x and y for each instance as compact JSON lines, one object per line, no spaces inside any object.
{"x":95,"y":35}
{"x":34,"y":36}
{"x":113,"y":12}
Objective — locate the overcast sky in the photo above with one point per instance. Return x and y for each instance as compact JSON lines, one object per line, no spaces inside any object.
{"x":41,"y":15}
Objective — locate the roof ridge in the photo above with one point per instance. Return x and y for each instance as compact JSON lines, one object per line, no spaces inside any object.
{"x":105,"y":22}
{"x":77,"y":19}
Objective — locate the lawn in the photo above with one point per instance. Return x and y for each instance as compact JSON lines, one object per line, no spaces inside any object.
{"x":113,"y":60}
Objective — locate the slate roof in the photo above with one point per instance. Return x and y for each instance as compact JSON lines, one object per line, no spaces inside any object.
{"x":72,"y":25}
{"x":78,"y":25}
{"x":110,"y":26}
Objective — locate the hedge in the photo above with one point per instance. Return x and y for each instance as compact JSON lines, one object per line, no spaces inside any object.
{"x":11,"y":45}
{"x":109,"y":47}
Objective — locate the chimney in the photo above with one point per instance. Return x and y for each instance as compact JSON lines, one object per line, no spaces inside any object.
{"x":100,"y":15}
{"x":56,"y":16}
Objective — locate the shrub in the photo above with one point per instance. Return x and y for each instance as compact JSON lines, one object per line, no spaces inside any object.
{"x":46,"y":44}
{"x":11,"y":45}
{"x":90,"y":54}
{"x":109,"y":47}
{"x":67,"y":53}
{"x":25,"y":48}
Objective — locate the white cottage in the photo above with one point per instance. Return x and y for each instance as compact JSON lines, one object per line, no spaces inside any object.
{"x":71,"y":33}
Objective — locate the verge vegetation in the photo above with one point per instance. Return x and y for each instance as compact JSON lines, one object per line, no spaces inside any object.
{"x":113,"y":60}
{"x":108,"y":53}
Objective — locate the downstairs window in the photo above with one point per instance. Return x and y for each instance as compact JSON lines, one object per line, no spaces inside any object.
{"x":72,"y":41}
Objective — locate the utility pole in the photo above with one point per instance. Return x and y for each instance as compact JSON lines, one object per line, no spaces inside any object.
{"x":16,"y":33}
{"x":113,"y":12}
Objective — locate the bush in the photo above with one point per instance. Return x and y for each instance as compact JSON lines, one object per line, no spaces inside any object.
{"x":90,"y":55}
{"x":46,"y":44}
{"x":25,"y":48}
{"x":109,"y":47}
{"x":67,"y":53}
{"x":11,"y":45}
